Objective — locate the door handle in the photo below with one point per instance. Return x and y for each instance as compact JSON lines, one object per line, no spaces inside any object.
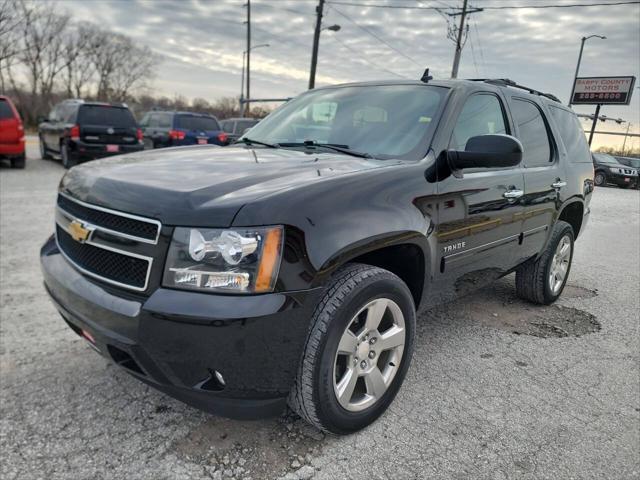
{"x":513,"y":194}
{"x":558,"y":184}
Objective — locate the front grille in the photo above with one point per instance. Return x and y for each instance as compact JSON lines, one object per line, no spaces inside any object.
{"x":112,"y":266}
{"x":123,"y":224}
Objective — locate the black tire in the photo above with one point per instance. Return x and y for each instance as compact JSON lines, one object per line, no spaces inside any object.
{"x":18,"y":162}
{"x":532,"y":278}
{"x":313,"y":396}
{"x":67,"y":160}
{"x":44,"y":153}
{"x":600,"y":179}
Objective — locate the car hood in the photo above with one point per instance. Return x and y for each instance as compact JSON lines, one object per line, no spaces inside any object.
{"x":202,"y":185}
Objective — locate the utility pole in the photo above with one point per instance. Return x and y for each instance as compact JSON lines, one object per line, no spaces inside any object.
{"x":575,"y":76}
{"x":316,"y":44}
{"x":248,"y":97}
{"x":459,"y":40}
{"x":624,"y":144}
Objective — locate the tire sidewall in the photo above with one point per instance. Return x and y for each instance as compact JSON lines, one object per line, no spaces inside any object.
{"x":602,"y":176}
{"x":66,"y":159}
{"x":564,"y":230}
{"x":43,"y":150}
{"x":330,"y":412}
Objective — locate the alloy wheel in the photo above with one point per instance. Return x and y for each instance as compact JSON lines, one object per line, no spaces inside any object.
{"x":369,"y":354}
{"x":560,"y":264}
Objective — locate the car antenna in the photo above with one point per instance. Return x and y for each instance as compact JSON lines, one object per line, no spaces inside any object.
{"x":426,"y":77}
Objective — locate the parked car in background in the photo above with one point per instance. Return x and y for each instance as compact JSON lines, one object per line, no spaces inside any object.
{"x":173,"y":129}
{"x":11,"y":134}
{"x":236,"y":127}
{"x":77,"y":131}
{"x":631,"y":162}
{"x":608,"y":170}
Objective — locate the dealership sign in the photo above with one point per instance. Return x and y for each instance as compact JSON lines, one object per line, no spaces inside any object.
{"x":602,"y":90}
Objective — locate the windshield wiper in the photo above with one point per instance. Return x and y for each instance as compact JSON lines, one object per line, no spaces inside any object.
{"x":331,"y":146}
{"x":249,"y":141}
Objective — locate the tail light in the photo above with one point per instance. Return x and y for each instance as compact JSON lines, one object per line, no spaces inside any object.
{"x":139,"y":135}
{"x":74,"y":133}
{"x":176,"y":135}
{"x":223,"y":137}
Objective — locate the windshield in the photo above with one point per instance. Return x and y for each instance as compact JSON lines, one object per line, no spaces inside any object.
{"x":385,"y":121}
{"x":193,"y":122}
{"x":605,"y":158}
{"x":105,"y":115}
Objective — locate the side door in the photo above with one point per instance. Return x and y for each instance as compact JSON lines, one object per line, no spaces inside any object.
{"x":544,"y":174}
{"x":479,"y":211}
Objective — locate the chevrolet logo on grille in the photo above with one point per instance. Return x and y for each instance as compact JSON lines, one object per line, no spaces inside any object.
{"x":79,"y":232}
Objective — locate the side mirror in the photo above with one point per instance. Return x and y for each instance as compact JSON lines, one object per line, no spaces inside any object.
{"x":487,"y":151}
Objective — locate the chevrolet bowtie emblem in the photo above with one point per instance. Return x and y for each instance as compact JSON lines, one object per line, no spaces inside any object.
{"x":78,"y":231}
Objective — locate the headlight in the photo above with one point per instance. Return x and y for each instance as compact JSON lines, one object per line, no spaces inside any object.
{"x":243,"y":260}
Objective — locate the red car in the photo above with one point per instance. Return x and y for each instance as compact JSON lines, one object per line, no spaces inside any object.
{"x":11,"y":134}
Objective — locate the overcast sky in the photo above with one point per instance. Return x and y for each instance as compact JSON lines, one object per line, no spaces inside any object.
{"x":201,"y":42}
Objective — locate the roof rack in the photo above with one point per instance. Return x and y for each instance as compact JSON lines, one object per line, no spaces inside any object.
{"x":505,"y":82}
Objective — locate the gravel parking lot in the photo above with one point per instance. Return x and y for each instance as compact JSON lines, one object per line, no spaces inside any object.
{"x":498,"y":389}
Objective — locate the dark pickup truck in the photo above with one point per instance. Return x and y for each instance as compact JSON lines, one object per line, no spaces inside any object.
{"x":289,"y":267}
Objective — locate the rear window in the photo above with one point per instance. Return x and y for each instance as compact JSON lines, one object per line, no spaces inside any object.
{"x":105,"y":115}
{"x":193,"y":122}
{"x":5,"y":110}
{"x":572,"y":135}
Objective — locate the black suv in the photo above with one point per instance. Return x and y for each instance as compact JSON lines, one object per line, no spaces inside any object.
{"x":289,"y":267}
{"x":608,"y":170}
{"x":236,"y":127}
{"x":174,"y":129}
{"x":77,"y":130}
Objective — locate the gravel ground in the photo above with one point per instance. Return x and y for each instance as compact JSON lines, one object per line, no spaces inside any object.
{"x":497,"y":389}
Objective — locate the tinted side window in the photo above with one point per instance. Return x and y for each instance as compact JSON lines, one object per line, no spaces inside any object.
{"x":227,"y":127}
{"x":104,"y":115}
{"x":164,"y":120}
{"x":532,"y":132}
{"x":482,"y":114}
{"x":572,"y":135}
{"x":145,"y":120}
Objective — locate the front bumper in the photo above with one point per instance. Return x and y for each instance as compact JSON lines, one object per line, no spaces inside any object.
{"x":88,"y":151}
{"x":622,"y":180}
{"x":177,"y":340}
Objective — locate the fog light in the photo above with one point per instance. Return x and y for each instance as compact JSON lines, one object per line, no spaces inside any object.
{"x":219,"y":377}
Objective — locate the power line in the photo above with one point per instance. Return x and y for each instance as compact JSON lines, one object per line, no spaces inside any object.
{"x":353,"y":50}
{"x":484,"y":64}
{"x":377,"y":37}
{"x":494,"y":7}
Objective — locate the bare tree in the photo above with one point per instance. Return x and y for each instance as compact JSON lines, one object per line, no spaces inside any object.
{"x":79,"y":70}
{"x":11,"y":19}
{"x":43,"y":33}
{"x":121,"y":66}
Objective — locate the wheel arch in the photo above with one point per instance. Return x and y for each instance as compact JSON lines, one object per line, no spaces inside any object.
{"x":405,"y":254}
{"x":573,"y":213}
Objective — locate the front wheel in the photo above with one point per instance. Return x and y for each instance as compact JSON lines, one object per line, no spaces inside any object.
{"x":18,"y":162}
{"x":358,"y":350}
{"x":542,"y":281}
{"x":600,"y":179}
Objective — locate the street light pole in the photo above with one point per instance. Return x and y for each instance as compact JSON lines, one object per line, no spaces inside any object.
{"x":244,"y":56}
{"x":316,"y":44}
{"x":575,"y":76}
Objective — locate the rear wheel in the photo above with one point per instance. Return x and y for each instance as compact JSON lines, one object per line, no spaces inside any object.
{"x":600,"y":179}
{"x":358,"y":350}
{"x":44,"y":153}
{"x":67,"y":160}
{"x":18,"y":162}
{"x":542,"y":281}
